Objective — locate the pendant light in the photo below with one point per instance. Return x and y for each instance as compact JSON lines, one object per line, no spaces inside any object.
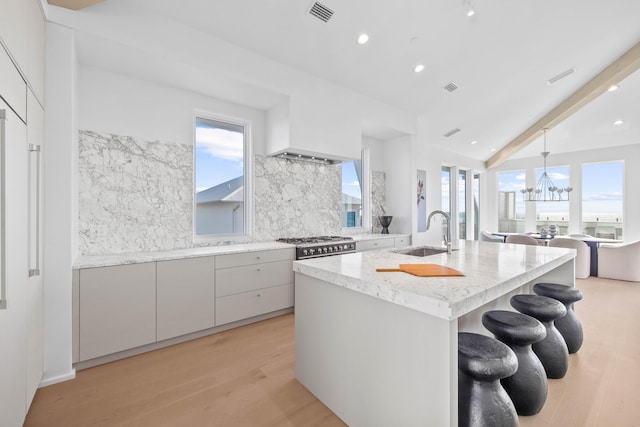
{"x":545,"y":190}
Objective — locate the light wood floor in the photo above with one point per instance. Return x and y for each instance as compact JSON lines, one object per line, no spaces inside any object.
{"x":245,"y":377}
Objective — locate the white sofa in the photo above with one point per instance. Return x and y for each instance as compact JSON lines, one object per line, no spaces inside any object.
{"x":485,"y":236}
{"x":583,"y":257}
{"x":521,"y":240}
{"x":619,"y":261}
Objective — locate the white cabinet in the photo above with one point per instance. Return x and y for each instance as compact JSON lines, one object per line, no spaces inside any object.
{"x":117,"y":307}
{"x":402,"y":241}
{"x":253,"y":283}
{"x":35,"y":48}
{"x":14,"y":29}
{"x":13,"y":89}
{"x":185,"y":290}
{"x":371,"y":244}
{"x":35,"y":292}
{"x":14,"y":267}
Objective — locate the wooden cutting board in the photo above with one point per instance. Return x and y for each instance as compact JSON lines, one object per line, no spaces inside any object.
{"x":424,"y":270}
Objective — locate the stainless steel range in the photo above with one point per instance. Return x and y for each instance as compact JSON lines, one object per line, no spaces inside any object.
{"x":313,"y":247}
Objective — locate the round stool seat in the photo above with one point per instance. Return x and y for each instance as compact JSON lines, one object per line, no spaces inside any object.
{"x":552,"y":350}
{"x":482,"y":362}
{"x":528,"y":386}
{"x":569,"y":325}
{"x":513,"y":328}
{"x":484,"y":357}
{"x":564,"y":294}
{"x":542,"y":308}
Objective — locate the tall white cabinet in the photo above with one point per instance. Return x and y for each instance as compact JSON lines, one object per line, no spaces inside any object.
{"x":22,"y":41}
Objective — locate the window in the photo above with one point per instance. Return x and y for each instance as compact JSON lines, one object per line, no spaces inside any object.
{"x":476,"y":205}
{"x":602,"y":199}
{"x":462,"y":204}
{"x":220,"y":155}
{"x":511,"y":210}
{"x":556,"y":213}
{"x":351,"y":210}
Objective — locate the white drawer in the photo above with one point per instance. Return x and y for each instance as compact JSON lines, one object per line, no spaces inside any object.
{"x":236,"y":280}
{"x":248,"y":304}
{"x":367,"y":245}
{"x":401,"y":242}
{"x":248,"y":258}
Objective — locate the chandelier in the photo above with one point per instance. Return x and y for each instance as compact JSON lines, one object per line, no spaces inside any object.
{"x":545,"y":190}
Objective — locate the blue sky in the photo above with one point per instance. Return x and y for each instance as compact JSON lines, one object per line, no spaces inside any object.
{"x":219,"y":156}
{"x":602,"y":187}
{"x":350,"y":184}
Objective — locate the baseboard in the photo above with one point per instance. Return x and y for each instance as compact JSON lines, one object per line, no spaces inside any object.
{"x":57,"y":379}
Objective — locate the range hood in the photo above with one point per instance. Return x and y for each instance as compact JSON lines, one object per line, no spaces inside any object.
{"x":307,"y":158}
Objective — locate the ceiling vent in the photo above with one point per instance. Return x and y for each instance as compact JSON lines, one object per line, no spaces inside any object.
{"x":451,"y":87}
{"x":561,"y":75}
{"x":452,"y":132}
{"x":321,"y":12}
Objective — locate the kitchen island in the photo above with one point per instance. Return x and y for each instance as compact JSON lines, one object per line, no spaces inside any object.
{"x":380,"y":349}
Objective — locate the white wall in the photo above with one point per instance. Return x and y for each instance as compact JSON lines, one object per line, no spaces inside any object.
{"x":122,"y":105}
{"x":60,"y":210}
{"x":630,"y":154}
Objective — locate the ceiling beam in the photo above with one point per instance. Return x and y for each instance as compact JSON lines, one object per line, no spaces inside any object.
{"x":621,"y":68}
{"x":73,"y":4}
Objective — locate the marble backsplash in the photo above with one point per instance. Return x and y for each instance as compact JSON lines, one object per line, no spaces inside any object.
{"x":137,"y":196}
{"x":134,"y":195}
{"x":296,"y":198}
{"x":378,"y":200}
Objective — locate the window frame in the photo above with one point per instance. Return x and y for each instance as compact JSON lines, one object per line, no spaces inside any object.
{"x":366,"y":195}
{"x":247,"y":124}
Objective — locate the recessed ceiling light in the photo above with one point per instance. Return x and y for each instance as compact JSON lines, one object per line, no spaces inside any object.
{"x":618,"y":122}
{"x":418,"y":68}
{"x":471,"y":12}
{"x":474,"y":142}
{"x":612,"y":88}
{"x":363,"y":38}
{"x":493,"y":149}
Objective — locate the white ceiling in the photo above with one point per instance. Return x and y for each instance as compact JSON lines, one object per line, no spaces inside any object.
{"x":501,"y":58}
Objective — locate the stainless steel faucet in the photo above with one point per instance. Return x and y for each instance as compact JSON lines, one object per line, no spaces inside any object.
{"x":447,"y":237}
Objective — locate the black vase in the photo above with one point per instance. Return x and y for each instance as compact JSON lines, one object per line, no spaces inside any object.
{"x":385,"y":221}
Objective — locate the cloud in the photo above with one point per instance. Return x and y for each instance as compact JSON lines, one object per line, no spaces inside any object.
{"x":220,"y":143}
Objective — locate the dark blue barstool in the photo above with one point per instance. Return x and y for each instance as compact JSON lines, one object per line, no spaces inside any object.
{"x":552,"y":350}
{"x":482,"y":362}
{"x":569,"y":325}
{"x":528,"y":386}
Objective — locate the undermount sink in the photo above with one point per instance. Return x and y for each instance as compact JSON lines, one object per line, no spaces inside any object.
{"x":422,"y":251}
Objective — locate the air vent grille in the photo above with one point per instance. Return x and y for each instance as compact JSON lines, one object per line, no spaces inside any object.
{"x":452,"y":132}
{"x":321,"y":12}
{"x":451,"y":87}
{"x":562,"y":75}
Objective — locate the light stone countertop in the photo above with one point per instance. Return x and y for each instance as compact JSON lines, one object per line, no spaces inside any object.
{"x":491,"y":270}
{"x":91,"y":261}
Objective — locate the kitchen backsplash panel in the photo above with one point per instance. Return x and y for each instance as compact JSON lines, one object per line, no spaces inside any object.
{"x":296,"y":198}
{"x":378,"y":200}
{"x":134,"y":195}
{"x":137,"y":196}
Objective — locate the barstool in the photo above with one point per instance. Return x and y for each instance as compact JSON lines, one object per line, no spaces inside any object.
{"x":528,"y":386}
{"x":552,"y":350}
{"x":569,"y":325}
{"x":482,"y":362}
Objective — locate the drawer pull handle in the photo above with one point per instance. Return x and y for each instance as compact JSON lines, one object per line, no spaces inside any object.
{"x":258,"y":269}
{"x":259,"y":295}
{"x":258,"y":257}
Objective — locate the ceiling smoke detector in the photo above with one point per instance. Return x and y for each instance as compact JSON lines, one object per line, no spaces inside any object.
{"x":321,"y":12}
{"x":452,"y":132}
{"x":451,"y":87}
